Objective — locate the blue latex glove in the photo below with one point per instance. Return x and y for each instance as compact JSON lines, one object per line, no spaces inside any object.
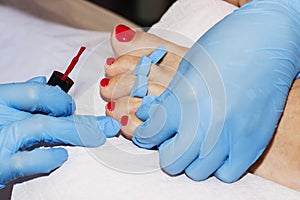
{"x":222,"y":107}
{"x":21,"y":129}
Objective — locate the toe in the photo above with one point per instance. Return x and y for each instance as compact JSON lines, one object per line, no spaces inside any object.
{"x":123,"y":106}
{"x":122,"y":64}
{"x":124,"y":109}
{"x":117,"y":86}
{"x":129,"y":124}
{"x":127,"y":63}
{"x":121,"y":85}
{"x":125,"y":40}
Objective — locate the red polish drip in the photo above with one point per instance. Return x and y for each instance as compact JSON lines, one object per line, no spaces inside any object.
{"x":104,"y":82}
{"x":110,"y":106}
{"x":72,"y":64}
{"x":124,"y":33}
{"x":110,"y":61}
{"x":124,"y":120}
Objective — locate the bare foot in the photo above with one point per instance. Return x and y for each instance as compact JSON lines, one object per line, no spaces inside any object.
{"x":280,"y":162}
{"x":121,"y":106}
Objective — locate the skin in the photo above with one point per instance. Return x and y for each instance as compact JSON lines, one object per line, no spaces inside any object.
{"x":279,"y":163}
{"x":238,"y":3}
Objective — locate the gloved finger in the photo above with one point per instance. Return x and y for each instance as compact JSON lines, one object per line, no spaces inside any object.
{"x":236,"y":164}
{"x":109,"y":126}
{"x":36,"y":97}
{"x":78,"y":130}
{"x":143,"y":111}
{"x":10,"y":115}
{"x":39,"y":160}
{"x":38,"y":79}
{"x":204,"y":166}
{"x":179,"y":152}
{"x":160,"y":125}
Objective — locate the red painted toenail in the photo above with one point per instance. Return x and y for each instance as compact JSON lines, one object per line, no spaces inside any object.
{"x":124,"y":33}
{"x":110,"y":106}
{"x":124,"y":120}
{"x":104,"y":82}
{"x":110,"y":61}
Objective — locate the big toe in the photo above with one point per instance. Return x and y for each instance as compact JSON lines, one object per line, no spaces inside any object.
{"x":125,"y":40}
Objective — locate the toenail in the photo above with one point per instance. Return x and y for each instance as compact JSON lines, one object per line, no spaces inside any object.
{"x":124,"y":120}
{"x":124,"y":33}
{"x":110,"y":106}
{"x":104,"y":82}
{"x":110,"y":61}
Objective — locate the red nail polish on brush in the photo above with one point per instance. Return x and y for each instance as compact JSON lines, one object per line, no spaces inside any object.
{"x":124,"y":33}
{"x":110,"y":106}
{"x":124,"y":120}
{"x":63,"y":80}
{"x":104,"y":82}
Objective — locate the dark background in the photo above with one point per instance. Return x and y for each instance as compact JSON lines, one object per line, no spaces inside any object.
{"x":142,"y":12}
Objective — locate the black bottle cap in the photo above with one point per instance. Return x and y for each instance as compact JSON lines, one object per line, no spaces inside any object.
{"x":56,"y":79}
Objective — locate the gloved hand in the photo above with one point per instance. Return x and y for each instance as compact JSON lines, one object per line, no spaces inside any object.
{"x":222,"y":107}
{"x":20,"y":128}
